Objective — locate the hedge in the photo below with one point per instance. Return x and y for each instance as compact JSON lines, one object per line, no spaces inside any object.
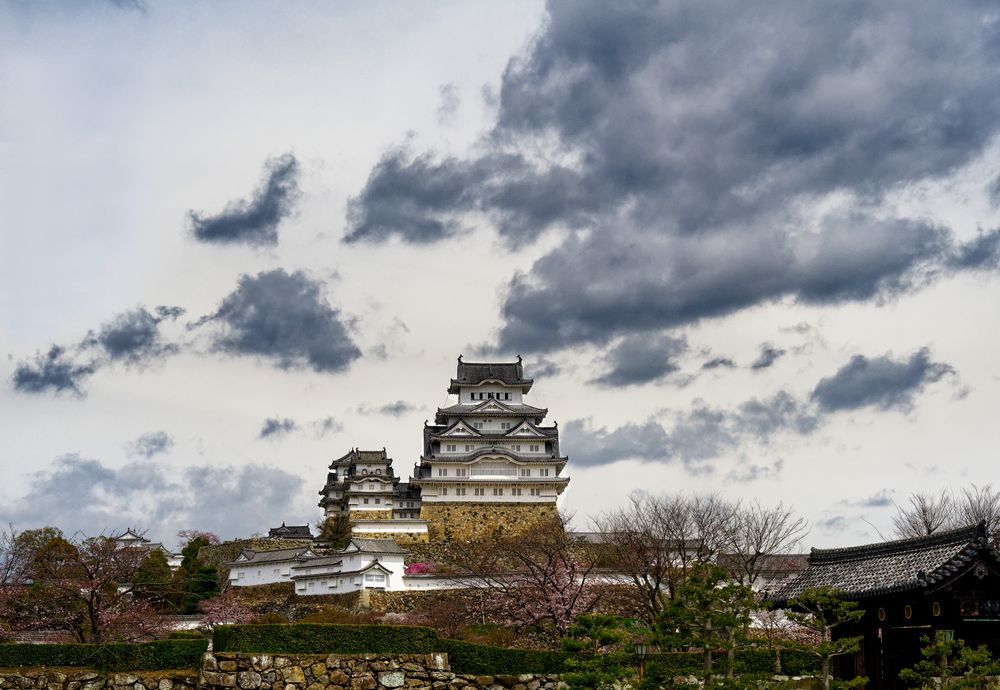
{"x":468,"y":657}
{"x":147,"y":656}
{"x":317,"y":638}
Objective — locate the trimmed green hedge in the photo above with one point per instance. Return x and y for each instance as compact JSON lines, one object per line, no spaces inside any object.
{"x":317,"y":638}
{"x":147,"y":656}
{"x":468,"y":657}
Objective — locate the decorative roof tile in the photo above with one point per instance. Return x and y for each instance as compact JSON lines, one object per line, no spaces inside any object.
{"x":893,"y":566}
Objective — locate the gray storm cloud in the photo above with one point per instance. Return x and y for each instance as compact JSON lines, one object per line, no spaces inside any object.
{"x":254,"y":221}
{"x":285,"y":318}
{"x":696,"y":159}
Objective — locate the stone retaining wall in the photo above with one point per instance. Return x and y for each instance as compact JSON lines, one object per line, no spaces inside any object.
{"x":483,"y":521}
{"x":229,"y":671}
{"x":80,"y":679}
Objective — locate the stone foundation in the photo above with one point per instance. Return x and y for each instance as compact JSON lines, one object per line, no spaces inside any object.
{"x":483,"y":521}
{"x":230,"y":671}
{"x":402,"y":538}
{"x":365,"y":514}
{"x":80,"y":679}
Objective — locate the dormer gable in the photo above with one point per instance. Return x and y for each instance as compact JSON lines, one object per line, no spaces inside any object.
{"x":526,"y":430}
{"x":490,"y":406}
{"x":460,"y":428}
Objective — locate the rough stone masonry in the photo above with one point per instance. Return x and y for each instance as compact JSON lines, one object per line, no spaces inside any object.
{"x":229,"y":671}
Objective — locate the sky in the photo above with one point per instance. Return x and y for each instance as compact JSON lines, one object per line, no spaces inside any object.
{"x":743,"y":248}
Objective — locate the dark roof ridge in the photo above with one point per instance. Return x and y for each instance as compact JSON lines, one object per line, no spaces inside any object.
{"x":897,"y":546}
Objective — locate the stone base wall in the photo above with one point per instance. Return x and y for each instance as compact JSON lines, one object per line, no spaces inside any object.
{"x":358,"y":514}
{"x":80,"y":679}
{"x":482,"y":521}
{"x":402,"y":538}
{"x":229,"y":671}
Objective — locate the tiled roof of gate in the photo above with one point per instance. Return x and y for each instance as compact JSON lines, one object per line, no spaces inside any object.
{"x":378,"y":545}
{"x":893,"y":566}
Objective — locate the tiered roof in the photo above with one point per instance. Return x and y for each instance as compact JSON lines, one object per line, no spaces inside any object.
{"x":895,"y":566}
{"x":475,"y":373}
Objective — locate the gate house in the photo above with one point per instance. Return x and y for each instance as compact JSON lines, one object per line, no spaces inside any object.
{"x":910,"y":588}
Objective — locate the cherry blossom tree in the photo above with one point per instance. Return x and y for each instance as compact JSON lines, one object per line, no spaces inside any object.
{"x":86,"y":587}
{"x":540,"y":580}
{"x":224,"y":609}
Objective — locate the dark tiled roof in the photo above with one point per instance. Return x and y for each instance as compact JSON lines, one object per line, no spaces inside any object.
{"x":270,"y":556}
{"x":507,"y":410}
{"x":493,"y":450}
{"x":893,"y":566}
{"x":290,"y":532}
{"x":473,"y":373}
{"x":318,"y":561}
{"x":769,"y":564}
{"x":378,"y":545}
{"x":366,"y":456}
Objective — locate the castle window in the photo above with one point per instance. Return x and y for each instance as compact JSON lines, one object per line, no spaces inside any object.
{"x":506,"y":396}
{"x":525,"y":472}
{"x":536,"y":492}
{"x":479,"y":492}
{"x":515,"y":492}
{"x":378,"y":471}
{"x":498,"y":492}
{"x":451,"y":448}
{"x":534,"y":448}
{"x":366,"y":500}
{"x":377,"y":501}
{"x":409,"y":504}
{"x":504,"y":425}
{"x":364,"y":472}
{"x":460,"y":491}
{"x":517,"y":447}
{"x":544,"y":472}
{"x":467,"y":447}
{"x":460,"y":472}
{"x":444,"y":491}
{"x":491,"y":396}
{"x":442,"y":472}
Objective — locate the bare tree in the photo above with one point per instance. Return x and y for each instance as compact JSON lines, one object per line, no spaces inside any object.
{"x":926,"y":514}
{"x":653,"y":541}
{"x":979,"y":504}
{"x":757,"y":534}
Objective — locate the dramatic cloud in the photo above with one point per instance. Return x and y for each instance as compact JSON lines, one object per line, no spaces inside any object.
{"x":52,"y":372}
{"x":718,"y":363}
{"x":694,"y":437}
{"x":150,"y":444}
{"x":255,"y":221}
{"x":710,"y":171}
{"x":393,"y":409}
{"x":274,"y":427}
{"x":768,"y":356}
{"x":881,"y":382}
{"x":132,"y":338}
{"x":78,"y":493}
{"x":284,"y":318}
{"x":641,"y":359}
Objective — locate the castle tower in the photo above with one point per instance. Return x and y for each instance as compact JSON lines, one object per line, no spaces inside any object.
{"x":363,"y":487}
{"x":489,"y":465}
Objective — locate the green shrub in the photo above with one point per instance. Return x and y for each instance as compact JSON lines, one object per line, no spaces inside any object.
{"x":314,"y":638}
{"x":469,"y":657}
{"x":797,"y":662}
{"x":148,"y":656}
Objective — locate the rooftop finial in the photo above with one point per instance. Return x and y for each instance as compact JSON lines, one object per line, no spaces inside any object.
{"x":460,"y":359}
{"x":519,"y":359}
